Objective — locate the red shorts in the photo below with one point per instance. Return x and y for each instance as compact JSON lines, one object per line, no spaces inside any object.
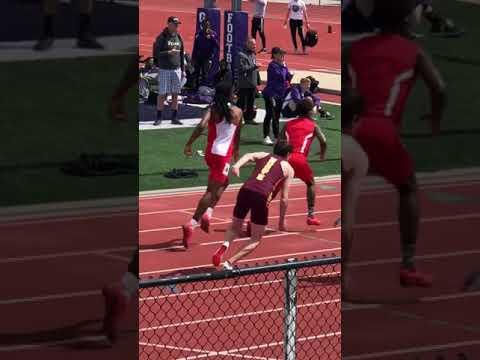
{"x":248,"y":200}
{"x":387,"y":156}
{"x":302,"y":168}
{"x":219,"y":167}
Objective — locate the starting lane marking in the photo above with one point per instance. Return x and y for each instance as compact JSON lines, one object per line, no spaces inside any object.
{"x":228,"y":221}
{"x":412,"y":350}
{"x":219,"y":289}
{"x":262,"y":346}
{"x":244,"y":260}
{"x":232,"y":205}
{"x":235,"y":316}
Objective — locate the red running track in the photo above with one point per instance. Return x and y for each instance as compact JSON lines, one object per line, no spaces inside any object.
{"x":51,"y":305}
{"x":324,"y":57}
{"x":389,"y":322}
{"x":162,"y":254}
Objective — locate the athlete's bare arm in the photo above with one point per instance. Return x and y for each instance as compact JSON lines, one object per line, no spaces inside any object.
{"x":245,"y":159}
{"x":289,"y":173}
{"x":237,"y":118}
{"x":434,"y":81}
{"x":323,"y":142}
{"x":202,"y":125}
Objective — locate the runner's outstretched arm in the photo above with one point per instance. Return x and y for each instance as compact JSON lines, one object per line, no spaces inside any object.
{"x":245,"y":159}
{"x":434,"y":81}
{"x":202,"y":125}
{"x":284,"y":198}
{"x":323,"y":142}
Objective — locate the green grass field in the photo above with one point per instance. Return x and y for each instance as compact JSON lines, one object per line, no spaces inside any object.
{"x":162,"y":150}
{"x":459,"y":63}
{"x":52,"y":111}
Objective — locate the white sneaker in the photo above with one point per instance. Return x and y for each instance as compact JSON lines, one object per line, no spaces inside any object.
{"x":267,"y":141}
{"x":227,"y":266}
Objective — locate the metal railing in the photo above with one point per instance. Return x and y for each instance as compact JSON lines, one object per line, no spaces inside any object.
{"x":285,"y":311}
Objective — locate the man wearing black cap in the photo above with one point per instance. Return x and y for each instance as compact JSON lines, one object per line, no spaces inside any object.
{"x":169,"y":54}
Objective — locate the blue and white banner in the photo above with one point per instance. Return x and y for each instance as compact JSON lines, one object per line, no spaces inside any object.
{"x":235,"y":37}
{"x":203,"y":47}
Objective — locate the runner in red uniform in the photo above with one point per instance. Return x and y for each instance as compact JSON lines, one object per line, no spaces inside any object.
{"x":383,"y":68}
{"x":223,"y":121}
{"x":272,"y":174}
{"x":300,"y":133}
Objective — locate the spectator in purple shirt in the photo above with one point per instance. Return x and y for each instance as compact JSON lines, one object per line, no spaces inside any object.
{"x":278,"y":81}
{"x":295,"y":94}
{"x":205,"y":46}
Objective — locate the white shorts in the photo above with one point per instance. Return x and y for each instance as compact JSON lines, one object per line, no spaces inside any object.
{"x":169,"y":81}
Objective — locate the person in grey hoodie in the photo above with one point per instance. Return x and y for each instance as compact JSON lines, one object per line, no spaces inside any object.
{"x":248,"y":81}
{"x":169,"y":55}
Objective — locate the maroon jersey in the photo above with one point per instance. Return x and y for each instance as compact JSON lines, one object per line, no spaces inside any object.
{"x":267,"y":177}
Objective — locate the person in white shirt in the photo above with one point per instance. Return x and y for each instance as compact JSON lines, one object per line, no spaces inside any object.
{"x":258,"y":22}
{"x":296,"y":13}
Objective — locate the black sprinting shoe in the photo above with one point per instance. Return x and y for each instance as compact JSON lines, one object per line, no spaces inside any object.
{"x":176,"y":122}
{"x":45,"y":43}
{"x":89,"y":43}
{"x":157,"y":122}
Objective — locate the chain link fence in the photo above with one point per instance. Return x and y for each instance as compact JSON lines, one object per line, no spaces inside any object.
{"x":285,"y":311}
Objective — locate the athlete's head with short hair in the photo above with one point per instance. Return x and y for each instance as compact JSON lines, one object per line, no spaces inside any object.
{"x":392,"y":16}
{"x":282,"y":148}
{"x":222,"y":101}
{"x":305,"y":108}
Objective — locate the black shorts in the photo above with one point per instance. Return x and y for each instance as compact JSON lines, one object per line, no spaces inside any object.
{"x":257,"y":25}
{"x":248,"y":200}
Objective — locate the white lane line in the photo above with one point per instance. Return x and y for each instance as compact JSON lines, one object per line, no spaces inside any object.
{"x":411,"y":350}
{"x":81,"y":339}
{"x":243,"y":261}
{"x":222,"y":221}
{"x":233,"y":352}
{"x":64,"y":254}
{"x":236,"y":316}
{"x":229,"y":288}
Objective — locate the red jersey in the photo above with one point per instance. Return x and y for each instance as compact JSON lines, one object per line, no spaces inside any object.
{"x":382,"y":68}
{"x":267,"y":177}
{"x":221,"y":137}
{"x":300,"y":133}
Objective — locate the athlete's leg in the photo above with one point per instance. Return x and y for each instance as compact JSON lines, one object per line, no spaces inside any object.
{"x":257,"y":233}
{"x":117,"y":297}
{"x":408,"y":214}
{"x":232,"y":233}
